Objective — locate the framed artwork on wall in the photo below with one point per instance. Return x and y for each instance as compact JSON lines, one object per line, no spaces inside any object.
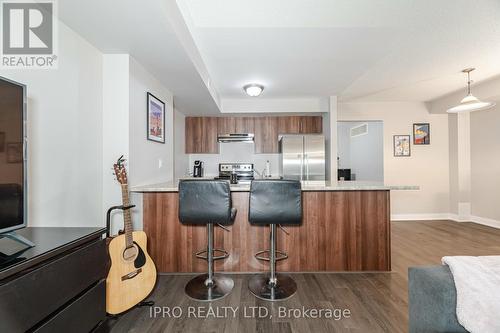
{"x":422,"y":134}
{"x":402,"y":146}
{"x":14,"y":152}
{"x":156,"y":119}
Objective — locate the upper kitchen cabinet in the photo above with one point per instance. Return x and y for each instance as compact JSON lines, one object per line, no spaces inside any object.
{"x":244,"y":125}
{"x":300,"y":125}
{"x":201,"y":135}
{"x":289,"y":125}
{"x":266,"y":134}
{"x":201,"y":132}
{"x":312,"y":125}
{"x":226,"y":125}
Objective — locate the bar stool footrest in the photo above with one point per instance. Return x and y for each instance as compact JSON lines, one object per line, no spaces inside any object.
{"x":204,"y":254}
{"x":280,"y":255}
{"x":261,"y":287}
{"x":198,"y":290}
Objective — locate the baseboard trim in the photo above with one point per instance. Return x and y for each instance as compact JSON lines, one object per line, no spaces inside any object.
{"x":419,"y":217}
{"x":452,"y":217}
{"x":485,"y":221}
{"x":457,"y":218}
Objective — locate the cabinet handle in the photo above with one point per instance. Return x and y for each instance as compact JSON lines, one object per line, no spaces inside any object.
{"x":301,"y":165}
{"x":307,"y":166}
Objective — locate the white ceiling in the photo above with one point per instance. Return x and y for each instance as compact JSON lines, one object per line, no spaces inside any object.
{"x":301,"y":50}
{"x":398,"y":50}
{"x":151,"y":33}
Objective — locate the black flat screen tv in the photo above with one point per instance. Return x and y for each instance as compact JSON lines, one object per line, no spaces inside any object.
{"x":13,"y":162}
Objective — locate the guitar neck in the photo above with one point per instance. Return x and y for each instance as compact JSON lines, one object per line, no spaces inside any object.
{"x":127,"y":218}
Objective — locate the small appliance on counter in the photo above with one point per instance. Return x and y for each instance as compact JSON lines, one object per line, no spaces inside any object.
{"x":198,"y":169}
{"x":236,"y":173}
{"x":344,"y":174}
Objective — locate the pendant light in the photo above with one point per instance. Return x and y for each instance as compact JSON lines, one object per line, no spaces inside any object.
{"x":470,"y":103}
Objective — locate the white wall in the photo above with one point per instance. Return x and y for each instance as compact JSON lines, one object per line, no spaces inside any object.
{"x":150,"y":162}
{"x":82,"y":117}
{"x":344,"y":144}
{"x":327,"y":133}
{"x":485,"y":163}
{"x":332,"y":146}
{"x":115,"y":130}
{"x":65,"y":135}
{"x":126,"y":83}
{"x":453,"y":153}
{"x":474,"y":157}
{"x":181,"y":160}
{"x":428,"y":166}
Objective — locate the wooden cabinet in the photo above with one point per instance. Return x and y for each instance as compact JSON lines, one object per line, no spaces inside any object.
{"x":300,"y":125}
{"x":244,"y":125}
{"x":289,"y":125}
{"x":201,"y":132}
{"x":226,"y":125}
{"x":340,"y":231}
{"x":312,"y":125}
{"x":266,"y":135}
{"x":192,"y":134}
{"x":201,"y":135}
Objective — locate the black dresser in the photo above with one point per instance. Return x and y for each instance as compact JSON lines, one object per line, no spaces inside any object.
{"x":56,"y":286}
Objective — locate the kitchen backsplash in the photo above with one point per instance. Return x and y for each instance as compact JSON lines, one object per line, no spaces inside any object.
{"x":236,"y":152}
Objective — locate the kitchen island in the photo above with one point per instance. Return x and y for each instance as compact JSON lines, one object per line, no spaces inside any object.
{"x":345,"y":227}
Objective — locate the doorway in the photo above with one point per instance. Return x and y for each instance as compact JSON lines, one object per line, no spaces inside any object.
{"x":361,"y":150}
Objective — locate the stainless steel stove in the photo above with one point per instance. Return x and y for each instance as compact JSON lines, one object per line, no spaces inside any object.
{"x":244,"y":172}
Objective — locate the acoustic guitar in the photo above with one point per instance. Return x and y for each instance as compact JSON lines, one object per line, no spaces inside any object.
{"x":132,"y":275}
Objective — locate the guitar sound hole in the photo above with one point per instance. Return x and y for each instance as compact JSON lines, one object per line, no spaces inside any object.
{"x":130,"y":253}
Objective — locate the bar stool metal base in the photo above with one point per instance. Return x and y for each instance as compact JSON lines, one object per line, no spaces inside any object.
{"x":198,"y":290}
{"x":285,"y":287}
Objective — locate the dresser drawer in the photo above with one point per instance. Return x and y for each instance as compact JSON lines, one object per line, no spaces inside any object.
{"x":82,"y":315}
{"x":37,"y":294}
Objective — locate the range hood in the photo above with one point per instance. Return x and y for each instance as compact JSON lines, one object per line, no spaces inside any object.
{"x":236,"y":137}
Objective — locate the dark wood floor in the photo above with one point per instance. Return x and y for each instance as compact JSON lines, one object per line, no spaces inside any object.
{"x":377,"y":301}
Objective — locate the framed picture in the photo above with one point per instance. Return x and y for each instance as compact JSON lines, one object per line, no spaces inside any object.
{"x":422,"y":134}
{"x":14,"y":152}
{"x":156,"y":119}
{"x":2,"y":142}
{"x":402,"y":146}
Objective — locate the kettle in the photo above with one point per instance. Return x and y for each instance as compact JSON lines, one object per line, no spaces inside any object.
{"x":198,"y":169}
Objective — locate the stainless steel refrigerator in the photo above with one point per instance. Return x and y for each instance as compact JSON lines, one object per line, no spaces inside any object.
{"x":302,"y":157}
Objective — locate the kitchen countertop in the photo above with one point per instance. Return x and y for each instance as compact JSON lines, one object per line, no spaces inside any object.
{"x":306,"y":186}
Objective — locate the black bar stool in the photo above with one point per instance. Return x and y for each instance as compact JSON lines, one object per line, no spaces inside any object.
{"x":207,"y":202}
{"x":274,"y":203}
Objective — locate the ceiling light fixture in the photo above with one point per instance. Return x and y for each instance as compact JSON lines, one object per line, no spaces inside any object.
{"x":470,"y":103}
{"x":253,"y":89}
